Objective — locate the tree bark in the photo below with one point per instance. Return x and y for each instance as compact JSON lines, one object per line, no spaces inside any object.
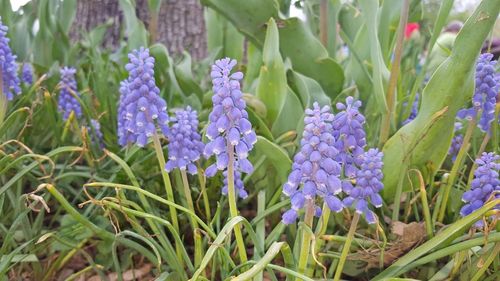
{"x":91,"y":13}
{"x":180,"y":26}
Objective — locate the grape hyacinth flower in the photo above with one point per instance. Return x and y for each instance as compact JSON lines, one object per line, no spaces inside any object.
{"x":27,"y":74}
{"x":185,"y":145}
{"x":8,"y":66}
{"x":124,"y":136}
{"x":96,"y":133}
{"x":67,"y":101}
{"x":229,"y":131}
{"x":368,"y":185}
{"x":485,"y":94}
{"x":141,"y":108}
{"x":314,"y":168}
{"x":456,"y":142}
{"x":349,"y":135}
{"x":486,"y":184}
{"x":414,"y":110}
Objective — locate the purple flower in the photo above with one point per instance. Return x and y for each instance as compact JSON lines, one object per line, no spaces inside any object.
{"x":349,"y":135}
{"x":67,"y":101}
{"x":414,"y":110}
{"x":95,"y":132}
{"x":314,"y":172}
{"x":27,"y":74}
{"x":456,"y":142}
{"x":368,"y":185}
{"x":8,"y":66}
{"x":229,"y":131}
{"x":485,"y":94}
{"x":185,"y":145}
{"x":484,"y":186}
{"x":141,"y":108}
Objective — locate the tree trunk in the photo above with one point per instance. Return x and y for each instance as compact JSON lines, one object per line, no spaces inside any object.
{"x":180,"y":26}
{"x":91,"y":13}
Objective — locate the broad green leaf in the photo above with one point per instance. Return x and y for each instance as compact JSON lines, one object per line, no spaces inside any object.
{"x":185,"y":78}
{"x":278,"y":156}
{"x":254,"y":63}
{"x":249,"y":17}
{"x":272,"y":79}
{"x":155,"y":5}
{"x":135,"y":30}
{"x":424,"y":142}
{"x":308,"y":90}
{"x":290,"y":117}
{"x":308,"y":57}
{"x":222,"y":34}
{"x":380,"y":71}
{"x":66,"y":14}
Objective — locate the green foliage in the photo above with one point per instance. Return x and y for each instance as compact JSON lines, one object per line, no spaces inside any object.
{"x":424,"y":143}
{"x":65,"y":201}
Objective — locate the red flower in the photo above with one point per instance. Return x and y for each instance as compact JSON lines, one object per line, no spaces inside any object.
{"x":410,"y":28}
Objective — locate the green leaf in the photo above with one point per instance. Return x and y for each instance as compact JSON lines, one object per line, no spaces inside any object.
{"x":135,"y":30}
{"x":278,"y":156}
{"x":66,"y":14}
{"x":222,"y":34}
{"x":309,"y":57}
{"x":249,"y":17}
{"x":424,"y":142}
{"x":380,"y":72}
{"x":291,"y":116}
{"x":272,"y":79}
{"x":308,"y":90}
{"x":442,"y":238}
{"x":185,"y":78}
{"x":155,"y":5}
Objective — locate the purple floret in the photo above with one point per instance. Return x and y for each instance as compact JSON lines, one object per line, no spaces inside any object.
{"x":368,"y":185}
{"x":185,"y":146}
{"x":141,"y":109}
{"x":314,"y":170}
{"x":229,"y":130}
{"x":67,"y":101}
{"x":484,"y":186}
{"x":8,"y":66}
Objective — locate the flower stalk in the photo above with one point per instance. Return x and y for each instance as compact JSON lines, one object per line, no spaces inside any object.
{"x":306,"y":237}
{"x":233,"y":209}
{"x":454,"y":170}
{"x":168,"y":188}
{"x":198,"y":244}
{"x":347,"y":246}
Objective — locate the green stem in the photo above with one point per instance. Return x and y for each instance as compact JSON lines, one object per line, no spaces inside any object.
{"x":203,"y":188}
{"x":347,"y":246}
{"x":425,"y":204}
{"x":168,"y":189}
{"x":398,"y":193}
{"x":456,"y":167}
{"x":67,"y":125}
{"x":481,"y":150}
{"x":233,"y":209}
{"x":306,"y":237}
{"x":321,"y":230}
{"x":3,"y":99}
{"x":385,"y":127}
{"x":198,"y":244}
